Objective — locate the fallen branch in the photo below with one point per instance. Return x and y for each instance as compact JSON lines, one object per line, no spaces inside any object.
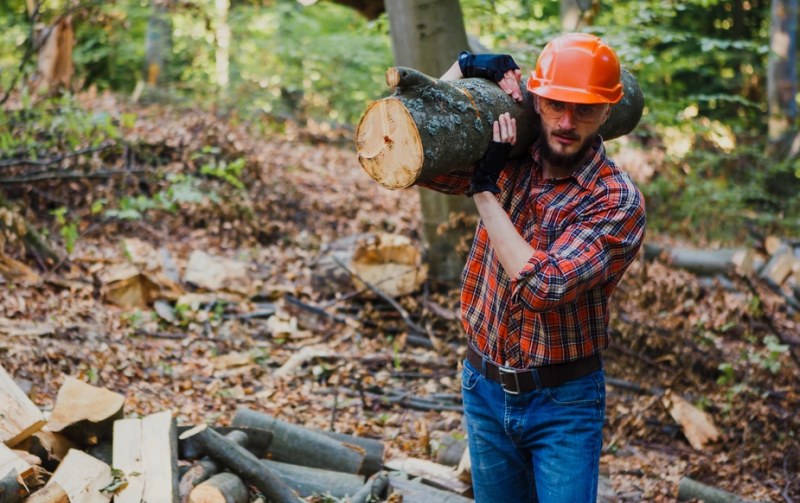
{"x":240,"y":461}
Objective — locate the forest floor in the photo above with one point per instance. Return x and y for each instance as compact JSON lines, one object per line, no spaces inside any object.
{"x":674,"y":334}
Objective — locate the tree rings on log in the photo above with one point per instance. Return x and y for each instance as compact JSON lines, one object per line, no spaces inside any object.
{"x":389,"y":145}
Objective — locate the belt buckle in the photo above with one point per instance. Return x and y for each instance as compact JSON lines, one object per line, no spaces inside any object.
{"x":506,"y":371}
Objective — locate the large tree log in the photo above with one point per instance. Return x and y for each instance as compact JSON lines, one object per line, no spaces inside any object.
{"x":240,"y":461}
{"x":253,"y":439}
{"x":429,"y":127}
{"x":302,"y":446}
{"x":309,"y":481}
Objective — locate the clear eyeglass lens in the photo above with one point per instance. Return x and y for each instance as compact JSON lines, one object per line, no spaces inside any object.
{"x":585,"y":113}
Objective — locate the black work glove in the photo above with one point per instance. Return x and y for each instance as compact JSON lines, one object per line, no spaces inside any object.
{"x":487,"y":171}
{"x":486,"y":66}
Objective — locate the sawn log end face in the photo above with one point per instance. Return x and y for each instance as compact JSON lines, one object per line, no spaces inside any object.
{"x":388,"y":144}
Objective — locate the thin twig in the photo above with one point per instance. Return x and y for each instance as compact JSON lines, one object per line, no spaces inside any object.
{"x":54,"y":160}
{"x":416,"y":329}
{"x":69,"y":175}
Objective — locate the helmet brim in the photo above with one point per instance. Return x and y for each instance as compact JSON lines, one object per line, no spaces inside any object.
{"x":572,"y":95}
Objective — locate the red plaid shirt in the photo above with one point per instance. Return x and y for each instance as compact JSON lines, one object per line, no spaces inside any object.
{"x":586,"y":230}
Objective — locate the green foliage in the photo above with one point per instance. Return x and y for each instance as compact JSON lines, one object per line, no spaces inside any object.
{"x":53,"y":127}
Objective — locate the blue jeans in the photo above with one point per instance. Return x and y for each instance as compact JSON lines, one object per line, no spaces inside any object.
{"x":542,"y":446}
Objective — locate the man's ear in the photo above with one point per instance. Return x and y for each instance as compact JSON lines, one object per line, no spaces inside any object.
{"x":607,"y":114}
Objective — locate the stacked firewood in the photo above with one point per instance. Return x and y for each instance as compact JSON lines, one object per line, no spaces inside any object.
{"x":87,"y":451}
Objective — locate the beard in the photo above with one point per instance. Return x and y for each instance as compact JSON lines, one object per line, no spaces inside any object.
{"x":566,"y":162}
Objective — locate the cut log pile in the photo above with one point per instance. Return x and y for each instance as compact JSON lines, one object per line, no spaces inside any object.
{"x":86,"y":451}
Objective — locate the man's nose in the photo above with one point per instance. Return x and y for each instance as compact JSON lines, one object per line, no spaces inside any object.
{"x":567,"y":119}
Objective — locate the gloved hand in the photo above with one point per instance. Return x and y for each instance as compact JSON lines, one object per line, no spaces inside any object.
{"x":487,"y":171}
{"x":486,"y":66}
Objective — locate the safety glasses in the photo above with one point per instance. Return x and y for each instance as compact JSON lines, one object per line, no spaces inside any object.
{"x":554,"y":110}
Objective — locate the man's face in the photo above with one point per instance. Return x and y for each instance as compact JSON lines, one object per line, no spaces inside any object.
{"x":568,"y":130}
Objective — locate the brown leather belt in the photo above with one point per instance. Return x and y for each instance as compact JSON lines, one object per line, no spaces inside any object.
{"x":516,"y":381}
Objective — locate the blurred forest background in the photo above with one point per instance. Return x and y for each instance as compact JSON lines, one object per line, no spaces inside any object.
{"x":178,"y":181}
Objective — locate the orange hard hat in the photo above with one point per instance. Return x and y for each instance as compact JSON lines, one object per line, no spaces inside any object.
{"x":577,"y":68}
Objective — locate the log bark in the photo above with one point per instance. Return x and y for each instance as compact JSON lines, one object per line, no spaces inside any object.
{"x":373,"y":450}
{"x":373,"y":489}
{"x":430,"y":127}
{"x":254,"y":440}
{"x":11,"y":491}
{"x":240,"y":461}
{"x":221,"y":488}
{"x":309,"y":481}
{"x":302,"y":446}
{"x":19,"y":416}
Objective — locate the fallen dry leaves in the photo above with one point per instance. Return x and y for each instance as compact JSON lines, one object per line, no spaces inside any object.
{"x":342,"y":363}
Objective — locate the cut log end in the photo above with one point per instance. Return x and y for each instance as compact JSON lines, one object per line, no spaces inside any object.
{"x":388,"y":144}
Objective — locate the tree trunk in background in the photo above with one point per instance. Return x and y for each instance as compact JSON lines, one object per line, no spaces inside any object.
{"x":157,"y":44}
{"x":576,"y":14}
{"x":427,"y":35}
{"x":782,"y":74}
{"x":223,"y":49}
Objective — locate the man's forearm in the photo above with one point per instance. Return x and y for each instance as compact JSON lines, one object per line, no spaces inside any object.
{"x":511,"y":248}
{"x":452,"y":73}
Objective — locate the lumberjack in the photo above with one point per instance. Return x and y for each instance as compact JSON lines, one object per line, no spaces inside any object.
{"x":559,"y":227}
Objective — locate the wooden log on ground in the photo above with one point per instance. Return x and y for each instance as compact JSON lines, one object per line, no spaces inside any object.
{"x":450,"y":450}
{"x":309,"y":481}
{"x":429,"y":127}
{"x":146,"y":450}
{"x":19,"y":416}
{"x":373,"y":489}
{"x":83,"y":478}
{"x":690,"y":489}
{"x":84,"y":413}
{"x":414,"y":491}
{"x":373,"y":450}
{"x":223,"y":487}
{"x":706,"y":262}
{"x":254,"y":440}
{"x":200,"y":471}
{"x":240,"y":461}
{"x":302,"y":446}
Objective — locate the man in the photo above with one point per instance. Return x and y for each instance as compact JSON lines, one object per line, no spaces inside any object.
{"x":558,"y":229}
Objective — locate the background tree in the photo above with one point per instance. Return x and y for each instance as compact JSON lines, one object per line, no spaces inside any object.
{"x":428,"y":36}
{"x":782,"y":70}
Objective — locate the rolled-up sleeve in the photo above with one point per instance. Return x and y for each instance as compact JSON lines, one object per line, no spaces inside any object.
{"x":594,"y":251}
